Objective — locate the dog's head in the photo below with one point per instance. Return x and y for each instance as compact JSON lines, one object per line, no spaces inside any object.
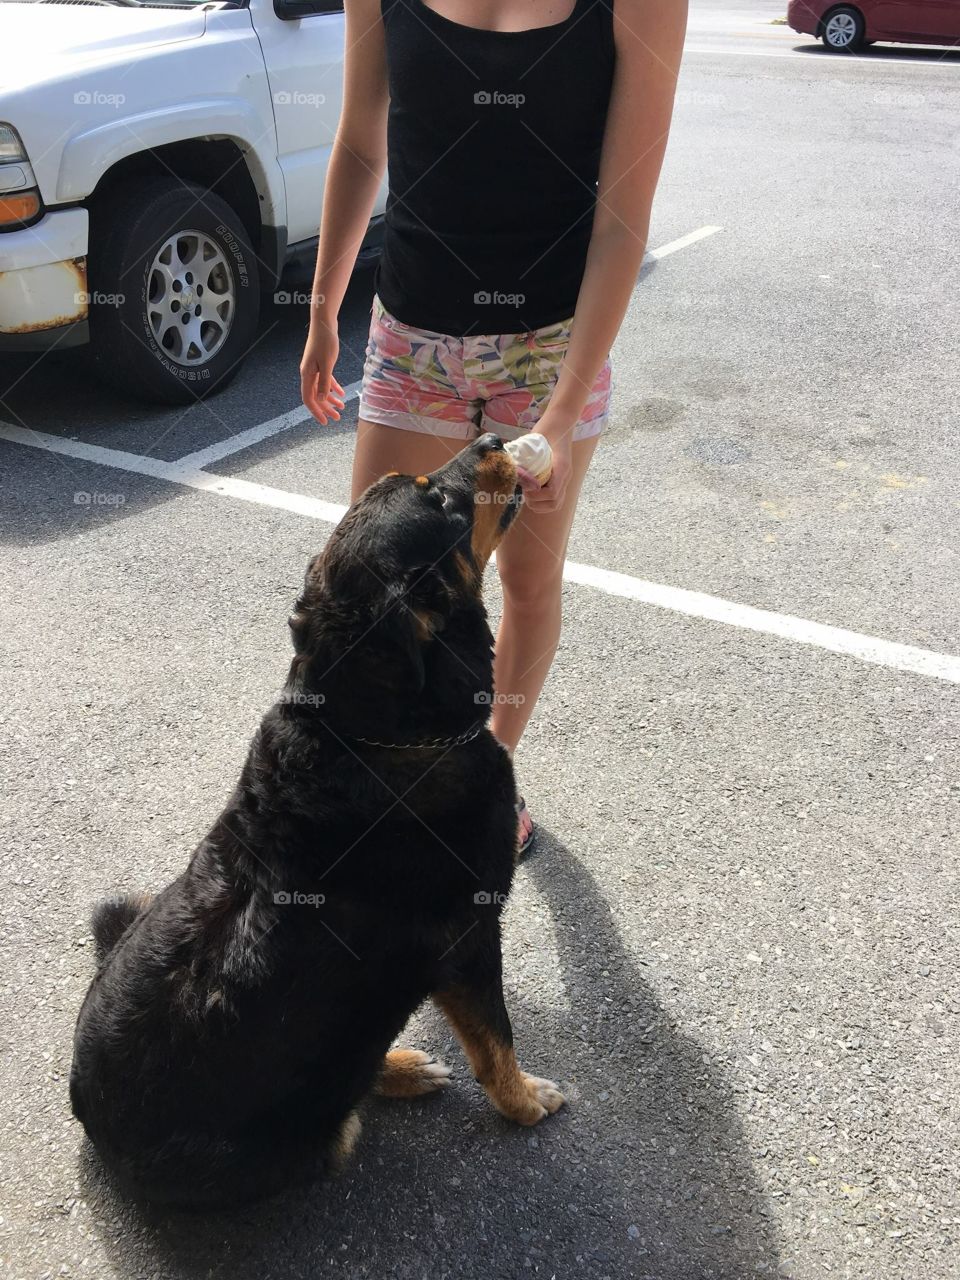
{"x":390,"y":627}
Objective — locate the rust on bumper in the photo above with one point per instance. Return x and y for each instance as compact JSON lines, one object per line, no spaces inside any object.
{"x":44,"y":297}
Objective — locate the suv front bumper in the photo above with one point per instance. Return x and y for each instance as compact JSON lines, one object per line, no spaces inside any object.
{"x":43,"y":283}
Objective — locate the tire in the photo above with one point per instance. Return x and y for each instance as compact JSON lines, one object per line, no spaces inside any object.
{"x":164,"y":242}
{"x":843,"y":29}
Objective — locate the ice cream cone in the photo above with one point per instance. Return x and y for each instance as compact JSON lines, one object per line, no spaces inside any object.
{"x":533,"y":453}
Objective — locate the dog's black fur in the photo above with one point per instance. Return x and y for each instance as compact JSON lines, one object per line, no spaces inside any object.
{"x":229,"y":1034}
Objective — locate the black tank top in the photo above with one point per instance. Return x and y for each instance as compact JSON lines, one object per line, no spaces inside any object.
{"x":494,"y":142}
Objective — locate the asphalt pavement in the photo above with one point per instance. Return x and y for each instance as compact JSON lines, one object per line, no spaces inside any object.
{"x":736,"y":947}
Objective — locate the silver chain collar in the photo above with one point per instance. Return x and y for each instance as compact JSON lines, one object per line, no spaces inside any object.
{"x":427,"y":743}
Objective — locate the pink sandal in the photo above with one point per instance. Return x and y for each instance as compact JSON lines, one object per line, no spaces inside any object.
{"x":525,"y":837}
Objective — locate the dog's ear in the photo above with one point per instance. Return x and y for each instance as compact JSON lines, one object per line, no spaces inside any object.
{"x":362,"y":639}
{"x":301,"y":617}
{"x":414,"y":609}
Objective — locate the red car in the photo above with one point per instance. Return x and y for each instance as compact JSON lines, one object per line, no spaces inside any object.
{"x":851,"y":26}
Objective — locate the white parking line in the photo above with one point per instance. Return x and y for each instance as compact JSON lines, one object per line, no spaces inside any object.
{"x":246,"y":439}
{"x":665,"y":250}
{"x":694,"y":604}
{"x":176,"y":473}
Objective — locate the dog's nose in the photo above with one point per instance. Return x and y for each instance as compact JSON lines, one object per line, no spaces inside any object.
{"x":489,"y":442}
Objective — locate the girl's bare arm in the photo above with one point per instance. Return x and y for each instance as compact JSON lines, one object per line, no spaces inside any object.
{"x":358,"y":160}
{"x":649,"y":44}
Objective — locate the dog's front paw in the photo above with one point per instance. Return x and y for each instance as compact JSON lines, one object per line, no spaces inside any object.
{"x":410,"y":1073}
{"x":543,"y":1099}
{"x":432,"y":1074}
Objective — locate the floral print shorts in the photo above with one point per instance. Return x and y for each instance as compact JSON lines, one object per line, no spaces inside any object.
{"x":419,"y":380}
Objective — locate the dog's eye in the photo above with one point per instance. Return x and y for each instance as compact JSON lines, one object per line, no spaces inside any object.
{"x":450,"y":504}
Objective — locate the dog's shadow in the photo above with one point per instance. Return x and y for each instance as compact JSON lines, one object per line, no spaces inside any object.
{"x":644,"y":1175}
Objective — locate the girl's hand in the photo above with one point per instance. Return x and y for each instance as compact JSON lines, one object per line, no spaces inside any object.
{"x":320,"y":391}
{"x":548,"y":497}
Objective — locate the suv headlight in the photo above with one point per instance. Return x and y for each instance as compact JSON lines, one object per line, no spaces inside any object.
{"x":20,"y":202}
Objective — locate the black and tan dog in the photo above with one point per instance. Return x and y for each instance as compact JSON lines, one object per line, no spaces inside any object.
{"x":360,"y":866}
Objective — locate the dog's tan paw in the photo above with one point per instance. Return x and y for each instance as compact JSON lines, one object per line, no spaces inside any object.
{"x":411,"y":1073}
{"x":545,"y":1093}
{"x":431,"y":1074}
{"x":538,"y":1099}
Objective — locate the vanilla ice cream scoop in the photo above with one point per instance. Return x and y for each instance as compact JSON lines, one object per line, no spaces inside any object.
{"x":533,"y":453}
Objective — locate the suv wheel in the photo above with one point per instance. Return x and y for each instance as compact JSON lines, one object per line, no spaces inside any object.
{"x":174,"y":292}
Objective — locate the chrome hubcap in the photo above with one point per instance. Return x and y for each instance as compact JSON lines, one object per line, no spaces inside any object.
{"x":191,"y":301}
{"x":841,"y":29}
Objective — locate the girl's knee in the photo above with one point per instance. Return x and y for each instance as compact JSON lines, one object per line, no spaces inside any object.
{"x":533,"y":592}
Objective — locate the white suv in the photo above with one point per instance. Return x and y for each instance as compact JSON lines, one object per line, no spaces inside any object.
{"x":160,"y":166}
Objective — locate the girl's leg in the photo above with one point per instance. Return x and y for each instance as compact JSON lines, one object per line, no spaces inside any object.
{"x":380,"y":449}
{"x":530,"y":562}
